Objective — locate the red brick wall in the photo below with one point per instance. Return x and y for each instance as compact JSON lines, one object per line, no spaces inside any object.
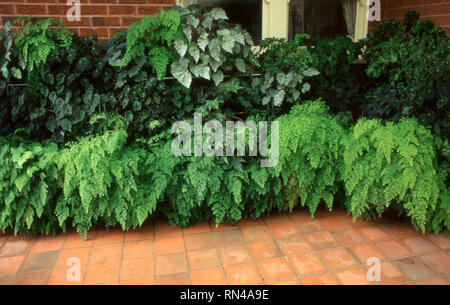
{"x":103,"y":17}
{"x":437,"y":11}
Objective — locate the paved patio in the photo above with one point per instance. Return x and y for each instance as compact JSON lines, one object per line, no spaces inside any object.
{"x":279,"y":249}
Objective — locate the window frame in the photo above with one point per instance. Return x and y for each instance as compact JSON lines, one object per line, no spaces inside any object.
{"x":275,"y":10}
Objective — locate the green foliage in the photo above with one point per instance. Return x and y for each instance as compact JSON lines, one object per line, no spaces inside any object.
{"x":309,"y":156}
{"x":36,"y":42}
{"x":409,"y":64}
{"x":391,"y":166}
{"x":153,"y":37}
{"x":284,"y":66}
{"x":28,"y":182}
{"x":337,"y":83}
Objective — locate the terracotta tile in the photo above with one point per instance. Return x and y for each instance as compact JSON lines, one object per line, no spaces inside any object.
{"x":419,"y":245}
{"x":265,"y":249}
{"x":337,"y":259}
{"x":440,"y":240}
{"x":374,"y":232}
{"x":321,"y":240}
{"x":391,"y":275}
{"x":309,"y":225}
{"x":143,"y":233}
{"x":74,"y":240}
{"x":306,"y":264}
{"x":48,"y":243}
{"x":106,"y":253}
{"x":169,"y":245}
{"x":109,"y":237}
{"x":173,"y":279}
{"x":399,"y":228}
{"x":243,"y":274}
{"x":201,"y":259}
{"x":392,"y":248}
{"x":171,"y":263}
{"x":164,"y":229}
{"x":7,"y":280}
{"x":81,"y":253}
{"x":235,"y":255}
{"x":40,"y":261}
{"x":202,"y":227}
{"x":215,"y":276}
{"x":355,"y":276}
{"x":103,"y":273}
{"x":137,"y":249}
{"x":222,"y":226}
{"x":323,"y":211}
{"x":276,"y":218}
{"x":335,"y":222}
{"x":250,"y":222}
{"x":10,"y":265}
{"x":294,"y":245}
{"x":199,"y":241}
{"x":413,"y":268}
{"x":3,"y":239}
{"x":320,"y":279}
{"x":364,"y":252}
{"x":67,"y":276}
{"x":292,"y":281}
{"x":139,"y":282}
{"x":228,"y":238}
{"x":283,"y":229}
{"x":275,"y":269}
{"x":358,"y":222}
{"x":33,"y":278}
{"x":300,"y":213}
{"x":435,"y":281}
{"x":137,"y":268}
{"x":256,"y":233}
{"x":438,"y":261}
{"x":16,"y":247}
{"x":347,"y":237}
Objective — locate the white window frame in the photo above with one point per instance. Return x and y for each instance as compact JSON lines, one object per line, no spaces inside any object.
{"x":275,"y":11}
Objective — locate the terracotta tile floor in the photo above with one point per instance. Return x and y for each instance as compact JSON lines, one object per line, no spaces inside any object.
{"x":278,"y":249}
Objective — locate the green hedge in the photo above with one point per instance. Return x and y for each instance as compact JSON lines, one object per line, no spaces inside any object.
{"x":100,"y":180}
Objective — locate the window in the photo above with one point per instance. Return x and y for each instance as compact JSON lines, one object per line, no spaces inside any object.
{"x":285,"y":18}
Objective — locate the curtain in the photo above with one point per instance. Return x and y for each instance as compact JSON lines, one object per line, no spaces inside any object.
{"x":349,"y":8}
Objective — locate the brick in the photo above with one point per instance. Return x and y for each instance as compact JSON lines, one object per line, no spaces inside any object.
{"x":445,"y":20}
{"x":42,"y":1}
{"x":58,"y":10}
{"x":122,"y":10}
{"x":132,"y":1}
{"x":6,"y":9}
{"x":441,"y":9}
{"x":115,"y":30}
{"x":94,"y":10}
{"x":101,"y":32}
{"x":84,"y":21}
{"x":31,"y":9}
{"x":106,"y":21}
{"x":149,"y":10}
{"x":127,"y":21}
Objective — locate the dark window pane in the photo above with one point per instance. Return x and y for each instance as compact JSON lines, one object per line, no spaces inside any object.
{"x":246,"y":13}
{"x":316,"y":17}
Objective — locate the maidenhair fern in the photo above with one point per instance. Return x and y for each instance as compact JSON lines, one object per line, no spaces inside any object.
{"x":36,"y":41}
{"x":309,"y":156}
{"x":391,"y":165}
